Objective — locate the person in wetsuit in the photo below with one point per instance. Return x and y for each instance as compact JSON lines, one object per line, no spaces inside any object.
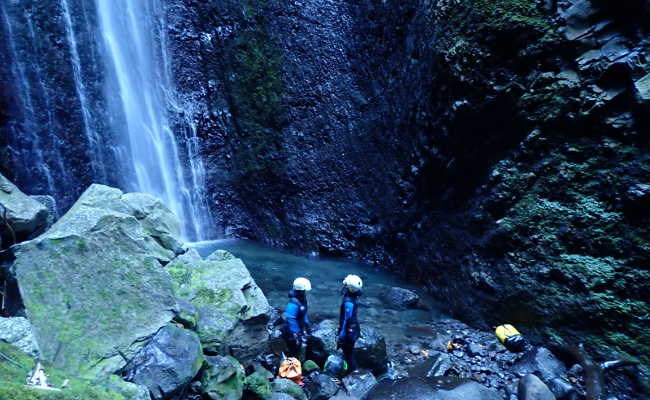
{"x":295,"y":314}
{"x":349,"y":329}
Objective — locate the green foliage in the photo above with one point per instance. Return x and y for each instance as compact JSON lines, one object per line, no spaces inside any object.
{"x":12,"y":381}
{"x":508,"y":15}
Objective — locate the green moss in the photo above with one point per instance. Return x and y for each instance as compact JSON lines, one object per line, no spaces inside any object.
{"x":12,"y":380}
{"x":255,"y":86}
{"x":507,"y":15}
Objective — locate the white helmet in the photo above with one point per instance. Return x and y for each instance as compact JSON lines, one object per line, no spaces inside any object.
{"x":302,"y":284}
{"x":353,"y":283}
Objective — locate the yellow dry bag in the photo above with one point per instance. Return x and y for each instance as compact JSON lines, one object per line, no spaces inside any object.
{"x":510,"y":337}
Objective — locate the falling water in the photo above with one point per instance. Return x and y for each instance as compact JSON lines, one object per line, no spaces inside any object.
{"x":135,"y":42}
{"x":97,"y":163}
{"x":29,"y":126}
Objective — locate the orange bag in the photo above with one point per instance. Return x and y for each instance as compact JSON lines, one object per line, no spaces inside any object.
{"x":291,"y":369}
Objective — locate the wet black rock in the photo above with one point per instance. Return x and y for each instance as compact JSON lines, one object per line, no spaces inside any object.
{"x":441,"y":365}
{"x":370,"y":351}
{"x":562,"y":389}
{"x":168,"y":363}
{"x":320,"y":386}
{"x":541,"y":361}
{"x":399,"y":298}
{"x":531,"y":387}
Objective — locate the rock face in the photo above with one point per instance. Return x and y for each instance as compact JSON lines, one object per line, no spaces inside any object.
{"x":357,"y":385}
{"x":232,"y":310}
{"x":167,"y":363}
{"x":26,"y":217}
{"x":17,"y":332}
{"x":476,"y":147}
{"x":80,"y":322}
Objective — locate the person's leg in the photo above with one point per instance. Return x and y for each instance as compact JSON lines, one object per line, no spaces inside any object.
{"x":348,"y":354}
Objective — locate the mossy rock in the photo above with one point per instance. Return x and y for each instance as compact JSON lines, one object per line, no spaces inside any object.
{"x":223,"y":292}
{"x":93,"y":285}
{"x":13,"y":377}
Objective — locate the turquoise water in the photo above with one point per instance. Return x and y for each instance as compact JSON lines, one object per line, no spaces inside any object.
{"x":274,"y":271}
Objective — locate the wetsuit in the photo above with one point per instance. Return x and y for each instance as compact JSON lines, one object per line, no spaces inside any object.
{"x":297,"y":328}
{"x":349,"y":329}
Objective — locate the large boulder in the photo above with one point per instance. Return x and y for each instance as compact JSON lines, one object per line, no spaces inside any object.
{"x":541,"y":361}
{"x":399,"y":298}
{"x":290,"y":388}
{"x":167,"y":363}
{"x":93,"y":285}
{"x":223,"y":379}
{"x":370,"y":349}
{"x":26,"y":217}
{"x":17,"y":331}
{"x":320,"y":386}
{"x":232,"y":309}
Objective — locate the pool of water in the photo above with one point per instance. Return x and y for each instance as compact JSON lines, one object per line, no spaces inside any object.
{"x":274,"y":271}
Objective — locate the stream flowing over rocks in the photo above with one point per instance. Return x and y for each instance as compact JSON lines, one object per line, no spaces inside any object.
{"x":494,"y":154}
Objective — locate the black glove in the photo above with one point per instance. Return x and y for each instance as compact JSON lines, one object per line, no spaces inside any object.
{"x":339,"y":342}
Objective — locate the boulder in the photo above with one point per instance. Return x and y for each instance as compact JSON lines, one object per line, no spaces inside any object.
{"x":79,"y":321}
{"x":399,"y":298}
{"x":167,"y":363}
{"x":232,"y":310}
{"x":259,"y":384}
{"x":290,"y":388}
{"x":223,"y":379}
{"x":279,"y":396}
{"x":26,"y":217}
{"x":320,"y":386}
{"x":438,"y":388}
{"x":540,"y":360}
{"x":17,"y":331}
{"x":531,"y":387}
{"x":50,"y":203}
{"x":370,"y":349}
{"x":358,"y":384}
{"x":562,"y":389}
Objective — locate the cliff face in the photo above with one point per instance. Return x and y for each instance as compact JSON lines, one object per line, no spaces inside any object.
{"x":492,"y":148}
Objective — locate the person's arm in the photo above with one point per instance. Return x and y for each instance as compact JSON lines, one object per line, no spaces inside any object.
{"x":348,"y":309}
{"x":291,"y":315}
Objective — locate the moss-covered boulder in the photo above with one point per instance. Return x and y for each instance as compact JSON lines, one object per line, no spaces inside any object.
{"x":259,"y":384}
{"x":289,"y":388}
{"x":93,"y":285}
{"x":230,"y":304}
{"x":223,"y":379}
{"x":16,"y":365}
{"x":25,"y":216}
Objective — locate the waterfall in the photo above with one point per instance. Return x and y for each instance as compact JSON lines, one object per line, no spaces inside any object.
{"x":135,"y":40}
{"x":92,"y":98}
{"x":96,"y":160}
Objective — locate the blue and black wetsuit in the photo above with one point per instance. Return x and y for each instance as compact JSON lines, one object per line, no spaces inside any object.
{"x":349,"y":329}
{"x":295,"y":313}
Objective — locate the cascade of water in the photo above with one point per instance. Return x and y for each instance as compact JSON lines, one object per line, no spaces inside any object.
{"x":135,"y":44}
{"x":29,"y":118}
{"x":96,"y":160}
